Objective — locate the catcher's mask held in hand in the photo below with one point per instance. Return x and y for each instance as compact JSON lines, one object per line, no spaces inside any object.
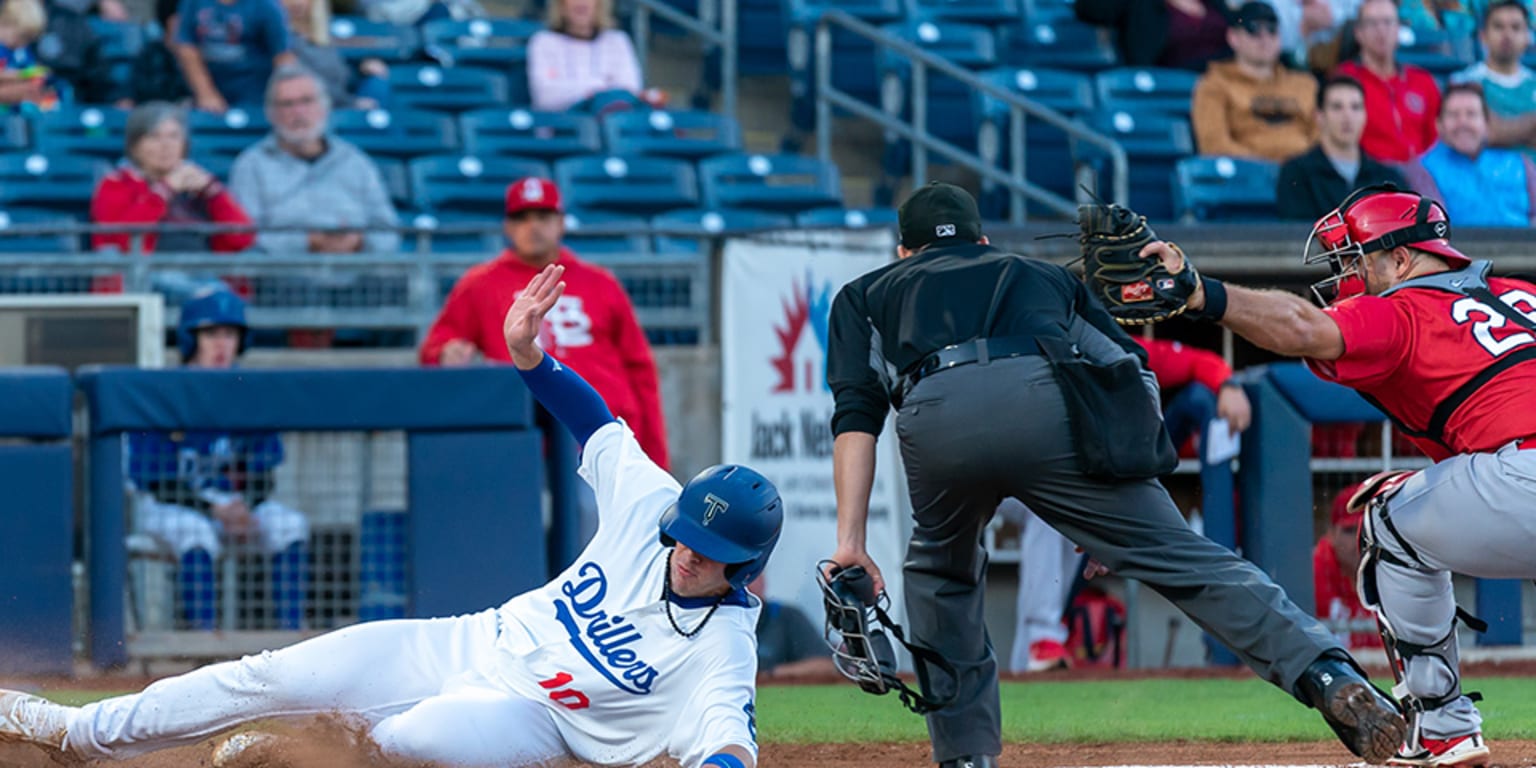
{"x":1375,"y":218}
{"x":862,"y":650}
{"x":1135,"y":290}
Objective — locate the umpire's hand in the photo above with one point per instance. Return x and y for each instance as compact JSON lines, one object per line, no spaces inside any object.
{"x":849,"y":555}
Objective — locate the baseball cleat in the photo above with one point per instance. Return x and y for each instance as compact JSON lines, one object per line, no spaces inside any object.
{"x":241,"y":749}
{"x":1468,"y":750}
{"x":1046,"y":655}
{"x":1366,"y":721}
{"x":25,"y":717}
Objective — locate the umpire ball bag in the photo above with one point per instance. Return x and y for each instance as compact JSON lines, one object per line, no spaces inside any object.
{"x":1116,"y":426}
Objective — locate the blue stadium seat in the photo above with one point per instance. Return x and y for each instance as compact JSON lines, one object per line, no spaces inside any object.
{"x":988,"y":12}
{"x":397,"y":181}
{"x":1065,"y":44}
{"x":460,"y":233}
{"x":215,"y":163}
{"x":400,"y":133}
{"x":1146,"y":89}
{"x":949,"y":102}
{"x":688,"y":135}
{"x":588,"y":232}
{"x":642,"y":186}
{"x":13,"y":133}
{"x":853,"y":57}
{"x":468,"y":184}
{"x":118,"y":45}
{"x":458,"y":89}
{"x":1225,"y":189}
{"x":690,"y":228}
{"x":20,"y":217}
{"x":229,"y":133}
{"x":357,"y":38}
{"x":847,"y":218}
{"x":95,"y":131}
{"x":547,"y":135}
{"x":62,"y":183}
{"x":782,"y":183}
{"x":1154,"y":143}
{"x":1434,"y":57}
{"x":500,"y":45}
{"x":760,"y":26}
{"x":1048,"y":156}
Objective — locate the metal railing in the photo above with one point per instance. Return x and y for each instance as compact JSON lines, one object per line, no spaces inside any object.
{"x":922,"y":142}
{"x":704,"y":26}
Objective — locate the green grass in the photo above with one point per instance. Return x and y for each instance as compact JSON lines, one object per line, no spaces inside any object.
{"x":1112,"y":711}
{"x":1242,"y":710}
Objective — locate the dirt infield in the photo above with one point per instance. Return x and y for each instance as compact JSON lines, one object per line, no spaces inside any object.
{"x":321,"y":754}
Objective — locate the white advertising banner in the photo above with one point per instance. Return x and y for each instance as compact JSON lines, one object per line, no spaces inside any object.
{"x":775,"y":297}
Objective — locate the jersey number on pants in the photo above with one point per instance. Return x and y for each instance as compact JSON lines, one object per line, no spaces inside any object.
{"x":1464,"y":310}
{"x":570,"y":698}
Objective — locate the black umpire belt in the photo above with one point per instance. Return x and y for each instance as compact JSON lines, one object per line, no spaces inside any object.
{"x":980,"y":351}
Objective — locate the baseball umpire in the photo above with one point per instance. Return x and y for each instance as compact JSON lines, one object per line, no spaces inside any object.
{"x":646,"y":645}
{"x":1010,"y":380}
{"x":1448,"y":353}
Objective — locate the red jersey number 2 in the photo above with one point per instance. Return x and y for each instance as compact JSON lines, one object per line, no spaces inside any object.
{"x":570,"y":698}
{"x":1485,"y":319}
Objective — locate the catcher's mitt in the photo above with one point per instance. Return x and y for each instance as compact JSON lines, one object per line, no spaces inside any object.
{"x":1135,"y":290}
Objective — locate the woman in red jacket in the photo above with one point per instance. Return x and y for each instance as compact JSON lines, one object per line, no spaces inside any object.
{"x":157,"y":184}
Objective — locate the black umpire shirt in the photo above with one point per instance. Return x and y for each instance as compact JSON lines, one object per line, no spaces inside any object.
{"x":886,"y":321}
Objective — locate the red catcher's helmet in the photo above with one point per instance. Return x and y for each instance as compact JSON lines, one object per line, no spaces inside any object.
{"x":1371,"y":219}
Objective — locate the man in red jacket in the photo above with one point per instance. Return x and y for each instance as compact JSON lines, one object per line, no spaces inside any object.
{"x":1401,"y":100}
{"x":592,"y":329}
{"x":1335,"y":560}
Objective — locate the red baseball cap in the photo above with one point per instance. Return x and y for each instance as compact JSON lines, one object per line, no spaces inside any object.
{"x":533,"y":194}
{"x":1340,"y":515}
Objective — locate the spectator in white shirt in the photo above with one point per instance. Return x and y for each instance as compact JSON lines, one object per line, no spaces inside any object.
{"x":581,"y":55}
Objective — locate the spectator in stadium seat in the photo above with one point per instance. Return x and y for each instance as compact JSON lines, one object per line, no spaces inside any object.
{"x":1509,"y":86}
{"x":593,"y":328}
{"x":196,"y":492}
{"x":1184,"y":34}
{"x":1401,"y":101}
{"x":1481,"y":186}
{"x":228,"y":49}
{"x":1252,"y":106}
{"x":21,"y":82}
{"x":1335,"y":560}
{"x":157,"y":184}
{"x":789,"y":645}
{"x":583,"y":54}
{"x":156,"y":75}
{"x":72,"y":49}
{"x":1314,"y":183}
{"x":302,"y":176}
{"x":367,"y":87}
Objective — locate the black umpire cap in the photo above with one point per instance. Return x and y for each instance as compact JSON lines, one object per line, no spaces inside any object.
{"x":938,"y":212}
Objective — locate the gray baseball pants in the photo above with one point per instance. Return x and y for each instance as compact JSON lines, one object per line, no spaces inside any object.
{"x":975,"y":434}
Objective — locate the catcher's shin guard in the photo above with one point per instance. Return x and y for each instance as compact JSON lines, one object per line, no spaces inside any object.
{"x":862,"y":650}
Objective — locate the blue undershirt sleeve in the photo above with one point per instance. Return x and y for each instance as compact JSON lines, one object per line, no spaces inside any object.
{"x":566,"y":395}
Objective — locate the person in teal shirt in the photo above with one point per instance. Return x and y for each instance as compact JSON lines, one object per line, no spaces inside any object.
{"x":1480,"y":186}
{"x":1509,"y":87}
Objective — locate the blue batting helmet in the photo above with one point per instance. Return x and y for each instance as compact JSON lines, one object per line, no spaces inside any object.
{"x":208,"y":308}
{"x":729,"y":514}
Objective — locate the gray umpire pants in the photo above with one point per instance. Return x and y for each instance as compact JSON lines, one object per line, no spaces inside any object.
{"x":975,"y":434}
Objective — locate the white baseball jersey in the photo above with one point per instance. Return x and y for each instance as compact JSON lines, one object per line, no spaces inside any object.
{"x":596,"y":646}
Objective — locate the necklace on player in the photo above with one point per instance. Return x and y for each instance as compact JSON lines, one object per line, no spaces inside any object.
{"x":667,"y":594}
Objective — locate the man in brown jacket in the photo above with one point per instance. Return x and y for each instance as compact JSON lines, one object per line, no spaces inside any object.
{"x":1252,"y":106}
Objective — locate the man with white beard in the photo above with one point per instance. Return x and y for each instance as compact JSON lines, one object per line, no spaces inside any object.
{"x":302,"y":176}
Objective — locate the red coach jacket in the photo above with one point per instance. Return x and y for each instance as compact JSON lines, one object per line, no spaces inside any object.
{"x":592,"y":329}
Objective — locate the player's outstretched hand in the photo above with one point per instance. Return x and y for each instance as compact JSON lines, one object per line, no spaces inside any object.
{"x":526,"y":316}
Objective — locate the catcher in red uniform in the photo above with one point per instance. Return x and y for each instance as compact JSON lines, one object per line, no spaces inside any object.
{"x":1449,"y":353}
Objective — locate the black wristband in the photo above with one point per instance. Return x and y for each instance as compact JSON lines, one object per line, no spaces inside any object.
{"x":1215,"y":301}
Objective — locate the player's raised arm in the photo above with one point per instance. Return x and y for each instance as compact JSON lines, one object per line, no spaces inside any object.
{"x":559,"y":389}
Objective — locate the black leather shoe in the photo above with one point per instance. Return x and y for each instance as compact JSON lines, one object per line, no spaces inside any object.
{"x":971,"y":761}
{"x":1368,"y":723}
